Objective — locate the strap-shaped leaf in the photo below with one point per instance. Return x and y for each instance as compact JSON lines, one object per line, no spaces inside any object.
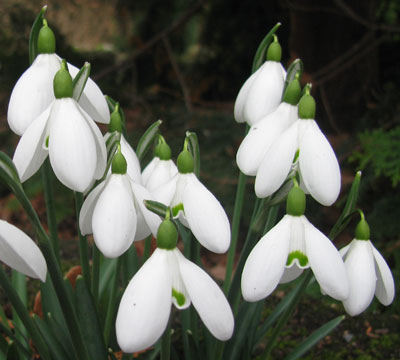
{"x":314,"y":338}
{"x":295,"y":67}
{"x":147,"y":139}
{"x":33,"y":36}
{"x":13,"y":337}
{"x":262,"y":48}
{"x":194,"y":149}
{"x":80,"y":80}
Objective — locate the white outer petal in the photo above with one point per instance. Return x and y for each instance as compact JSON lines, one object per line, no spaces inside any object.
{"x":360,"y":269}
{"x":32,"y":93}
{"x":92,"y":99}
{"x":114,"y":217}
{"x":241,"y":98}
{"x":266,"y":263}
{"x":30,"y":152}
{"x":318,"y":165}
{"x":132,"y":161}
{"x":72,"y":147}
{"x":165,"y":193}
{"x":261,"y":136}
{"x":206,"y":217}
{"x":144,"y":309}
{"x":207,"y":298}
{"x":385,"y":283}
{"x":325,"y":262}
{"x":147,"y":171}
{"x":265,"y":93}
{"x":86,"y":213}
{"x":19,"y":251}
{"x":173,"y":258}
{"x":163,"y":171}
{"x":277,"y":163}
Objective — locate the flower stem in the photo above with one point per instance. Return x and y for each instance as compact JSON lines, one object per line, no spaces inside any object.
{"x":147,"y":248}
{"x":95,"y":272}
{"x":166,"y":343}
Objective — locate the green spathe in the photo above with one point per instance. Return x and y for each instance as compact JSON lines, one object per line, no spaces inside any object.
{"x":115,"y":120}
{"x":185,"y":162}
{"x":296,"y":202}
{"x":119,"y":164}
{"x":167,"y":236}
{"x":307,"y":106}
{"x":62,"y":83}
{"x":362,"y":230}
{"x":46,"y":40}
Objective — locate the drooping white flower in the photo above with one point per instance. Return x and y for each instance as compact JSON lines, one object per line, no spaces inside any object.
{"x":115,"y":213}
{"x":20,"y":252}
{"x":291,"y":246}
{"x":316,"y":161}
{"x":33,"y":92}
{"x":195,"y":206}
{"x":367,"y":271}
{"x":66,"y":133}
{"x":262,"y":134}
{"x":262,"y":92}
{"x":169,"y":278}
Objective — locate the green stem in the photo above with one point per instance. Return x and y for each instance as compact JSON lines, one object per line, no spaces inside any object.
{"x":147,"y":248}
{"x":166,"y":343}
{"x":47,"y":178}
{"x":24,"y":315}
{"x":83,"y":243}
{"x":95,"y":272}
{"x":285,"y":316}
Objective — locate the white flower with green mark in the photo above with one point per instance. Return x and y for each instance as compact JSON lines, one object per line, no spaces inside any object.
{"x":302,"y":147}
{"x":262,"y":92}
{"x":291,"y":246}
{"x":167,"y":278}
{"x":20,"y":252}
{"x":367,"y":271}
{"x":115,"y":213}
{"x":33,"y":92}
{"x":68,"y":135}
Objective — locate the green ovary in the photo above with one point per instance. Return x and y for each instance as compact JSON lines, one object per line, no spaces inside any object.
{"x":302,"y":258}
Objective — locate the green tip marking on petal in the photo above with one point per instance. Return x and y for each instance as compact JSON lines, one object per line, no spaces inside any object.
{"x":296,"y":201}
{"x":46,"y":40}
{"x":119,"y":164}
{"x":176,"y":209}
{"x":180,"y":298}
{"x":115,"y":120}
{"x":302,"y":258}
{"x":167,"y":235}
{"x":185,"y":162}
{"x":46,"y":143}
{"x":274,"y":52}
{"x":62,"y":83}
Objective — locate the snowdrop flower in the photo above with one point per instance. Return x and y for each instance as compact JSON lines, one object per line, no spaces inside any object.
{"x":131,"y":158}
{"x":169,"y":278}
{"x":262,"y":134}
{"x":367,"y":271}
{"x":66,"y":133}
{"x":314,"y":159}
{"x":291,"y":246}
{"x":161,"y":169}
{"x":115,"y":213}
{"x":33,"y":92}
{"x":262,"y":92}
{"x":20,"y":252}
{"x":195,"y":206}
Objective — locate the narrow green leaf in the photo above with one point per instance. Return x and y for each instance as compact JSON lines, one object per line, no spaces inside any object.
{"x":19,"y":283}
{"x":314,"y":338}
{"x":107,"y":271}
{"x":194,"y":149}
{"x":3,"y":348}
{"x":259,"y":58}
{"x":12,"y":353}
{"x":33,"y":37}
{"x":80,"y":80}
{"x":147,"y":139}
{"x":156,"y":207}
{"x":295,"y":67}
{"x":21,"y":346}
{"x":89,"y":321}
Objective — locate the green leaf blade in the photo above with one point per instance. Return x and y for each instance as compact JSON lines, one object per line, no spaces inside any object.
{"x":147,"y":139}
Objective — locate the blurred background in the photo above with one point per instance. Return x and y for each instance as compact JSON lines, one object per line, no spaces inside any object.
{"x":185,"y":61}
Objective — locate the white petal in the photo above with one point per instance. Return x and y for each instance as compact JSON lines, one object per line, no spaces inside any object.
{"x":152,"y":221}
{"x":266,"y":263}
{"x":277,"y":163}
{"x":165,"y":193}
{"x":242,"y":96}
{"x":206,"y":217}
{"x":318,"y":165}
{"x":132,"y":161}
{"x":149,"y":169}
{"x":86,"y":213}
{"x":114,"y":217}
{"x":343,"y":251}
{"x":177,"y":282}
{"x":261,"y":136}
{"x":291,"y":273}
{"x":32,"y":93}
{"x":92,"y":99}
{"x":385,"y":283}
{"x":207,"y":298}
{"x":360,"y":269}
{"x":145,"y":306}
{"x":163,"y":172}
{"x":72,"y":148}
{"x":30,"y":152}
{"x":19,"y":251}
{"x":325,"y":262}
{"x":265,"y":92}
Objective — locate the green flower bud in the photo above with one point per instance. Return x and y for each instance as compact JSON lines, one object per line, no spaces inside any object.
{"x":62,"y":83}
{"x":46,"y":40}
{"x":292,"y":92}
{"x":296,"y":202}
{"x":167,"y":235}
{"x":307,"y":106}
{"x":274,"y":52}
{"x":185,"y":162}
{"x":119,"y":164}
{"x":362,"y":230}
{"x":115,"y":120}
{"x":163,"y":151}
